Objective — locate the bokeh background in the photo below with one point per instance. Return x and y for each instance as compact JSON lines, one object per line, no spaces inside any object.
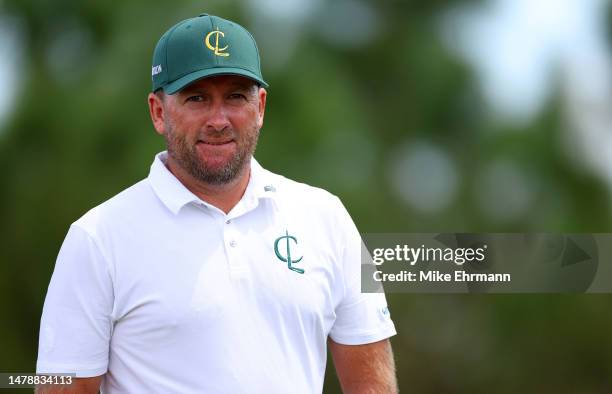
{"x":428,"y":116}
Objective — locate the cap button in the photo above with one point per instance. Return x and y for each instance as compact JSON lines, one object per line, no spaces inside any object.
{"x":203,"y":15}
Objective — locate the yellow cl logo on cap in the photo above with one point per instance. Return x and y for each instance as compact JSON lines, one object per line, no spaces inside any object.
{"x":218,"y":51}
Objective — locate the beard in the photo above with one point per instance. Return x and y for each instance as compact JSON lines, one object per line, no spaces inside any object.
{"x":186,"y":155}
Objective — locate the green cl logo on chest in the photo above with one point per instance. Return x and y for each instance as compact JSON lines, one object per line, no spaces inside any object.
{"x":288,"y":258}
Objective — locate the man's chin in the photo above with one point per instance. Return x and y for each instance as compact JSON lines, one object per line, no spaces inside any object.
{"x":216,"y":166}
{"x":219,"y":172}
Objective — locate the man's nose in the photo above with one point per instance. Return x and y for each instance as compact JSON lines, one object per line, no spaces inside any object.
{"x":217,"y":120}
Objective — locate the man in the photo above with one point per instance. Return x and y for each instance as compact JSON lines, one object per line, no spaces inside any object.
{"x":213,"y":275}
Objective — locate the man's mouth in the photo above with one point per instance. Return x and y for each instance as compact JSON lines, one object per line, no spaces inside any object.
{"x":222,"y":142}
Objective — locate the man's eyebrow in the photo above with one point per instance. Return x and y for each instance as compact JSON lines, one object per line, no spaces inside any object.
{"x":192,"y":90}
{"x":242,"y":85}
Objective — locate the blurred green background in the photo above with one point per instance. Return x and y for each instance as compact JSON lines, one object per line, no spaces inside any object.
{"x":437,"y":116}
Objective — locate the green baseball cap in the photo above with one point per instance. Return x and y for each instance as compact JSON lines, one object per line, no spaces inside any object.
{"x":201,"y":47}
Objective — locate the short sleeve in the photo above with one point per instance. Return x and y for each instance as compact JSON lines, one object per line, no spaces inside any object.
{"x":361,"y":318}
{"x":75,"y":327}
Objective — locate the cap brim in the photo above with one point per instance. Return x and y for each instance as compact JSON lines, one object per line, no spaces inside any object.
{"x":180,"y":83}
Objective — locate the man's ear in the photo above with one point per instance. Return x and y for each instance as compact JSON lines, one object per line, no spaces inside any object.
{"x":157,"y":112}
{"x":262,"y":105}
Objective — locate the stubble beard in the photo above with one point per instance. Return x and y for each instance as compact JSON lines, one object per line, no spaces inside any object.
{"x":186,"y":156}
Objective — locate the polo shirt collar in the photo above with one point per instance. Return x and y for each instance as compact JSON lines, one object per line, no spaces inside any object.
{"x":175,"y":195}
{"x":262,"y":183}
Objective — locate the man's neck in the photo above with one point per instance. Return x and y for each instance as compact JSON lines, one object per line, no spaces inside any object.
{"x":225,"y":196}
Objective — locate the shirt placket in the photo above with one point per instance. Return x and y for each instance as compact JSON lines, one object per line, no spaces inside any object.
{"x":233,"y":249}
{"x":233,"y":242}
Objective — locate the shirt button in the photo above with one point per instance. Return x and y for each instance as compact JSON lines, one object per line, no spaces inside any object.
{"x":233,"y":243}
{"x":228,"y":221}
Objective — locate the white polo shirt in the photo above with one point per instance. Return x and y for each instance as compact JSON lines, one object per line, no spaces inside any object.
{"x":167,"y":294}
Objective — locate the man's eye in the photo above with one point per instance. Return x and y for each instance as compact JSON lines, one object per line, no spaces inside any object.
{"x":195,"y":98}
{"x":236,"y":96}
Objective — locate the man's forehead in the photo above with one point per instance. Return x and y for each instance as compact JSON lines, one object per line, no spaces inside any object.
{"x":220,"y":81}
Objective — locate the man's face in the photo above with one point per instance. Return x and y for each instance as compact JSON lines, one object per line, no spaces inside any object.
{"x":212,"y":126}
